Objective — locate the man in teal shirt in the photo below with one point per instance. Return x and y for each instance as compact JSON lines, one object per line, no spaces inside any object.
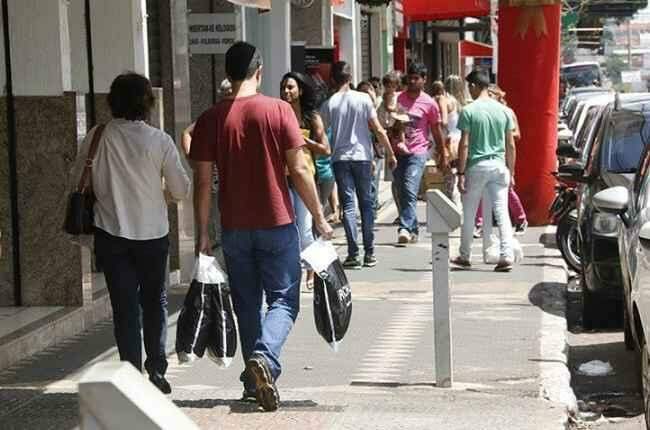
{"x":486,"y":163}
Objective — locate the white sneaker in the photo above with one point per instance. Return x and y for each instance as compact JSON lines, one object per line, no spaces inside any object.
{"x":403,"y":237}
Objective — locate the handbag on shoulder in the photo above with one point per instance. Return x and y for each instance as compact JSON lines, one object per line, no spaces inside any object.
{"x":79,"y":213}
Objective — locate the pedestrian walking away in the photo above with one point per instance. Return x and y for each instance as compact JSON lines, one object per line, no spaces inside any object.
{"x":515,"y":208}
{"x":424,"y":119}
{"x":352,"y":116}
{"x":225,"y":90}
{"x":378,"y":162}
{"x":299,"y":93}
{"x":486,"y":163}
{"x":253,"y":139}
{"x":131,"y":236}
{"x":388,"y":105}
{"x":449,"y":109}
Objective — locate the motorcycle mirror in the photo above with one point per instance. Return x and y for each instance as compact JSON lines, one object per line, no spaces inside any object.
{"x":574,"y":170}
{"x":567,"y":150}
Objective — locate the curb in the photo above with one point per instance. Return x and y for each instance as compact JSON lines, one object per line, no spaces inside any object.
{"x":555,"y":374}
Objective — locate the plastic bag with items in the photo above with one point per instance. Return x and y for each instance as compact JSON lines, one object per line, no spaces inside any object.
{"x":332,"y":293}
{"x":207,"y":319}
{"x":492,"y":253}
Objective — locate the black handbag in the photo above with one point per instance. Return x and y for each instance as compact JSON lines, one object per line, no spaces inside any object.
{"x":79,"y":214}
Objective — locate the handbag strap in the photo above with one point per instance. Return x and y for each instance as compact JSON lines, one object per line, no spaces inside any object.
{"x":85,"y":176}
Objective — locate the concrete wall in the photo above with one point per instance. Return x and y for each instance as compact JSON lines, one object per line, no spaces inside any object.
{"x":6,"y":259}
{"x":307,"y":24}
{"x":202,"y":72}
{"x":46,"y":148}
{"x":119,"y":33}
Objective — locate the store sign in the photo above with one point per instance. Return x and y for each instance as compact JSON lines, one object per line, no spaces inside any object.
{"x":631,"y":77}
{"x":211,"y":33}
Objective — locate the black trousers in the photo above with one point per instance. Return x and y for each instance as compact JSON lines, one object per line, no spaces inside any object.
{"x":135,"y":276}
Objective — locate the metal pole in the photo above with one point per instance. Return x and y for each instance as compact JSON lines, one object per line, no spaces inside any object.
{"x":92,"y":115}
{"x":441,"y":308}
{"x":213,"y":67}
{"x":13,"y":167}
{"x":629,"y":46}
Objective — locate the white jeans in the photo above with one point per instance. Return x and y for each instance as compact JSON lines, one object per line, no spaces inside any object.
{"x":493,"y":178}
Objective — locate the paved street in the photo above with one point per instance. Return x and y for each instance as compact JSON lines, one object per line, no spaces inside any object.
{"x":611,"y":402}
{"x":508,"y":355}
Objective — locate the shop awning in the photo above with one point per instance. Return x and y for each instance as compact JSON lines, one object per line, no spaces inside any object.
{"x":469,"y":48}
{"x":435,"y":10}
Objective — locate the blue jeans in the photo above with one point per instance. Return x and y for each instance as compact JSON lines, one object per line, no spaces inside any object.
{"x":408,"y":175}
{"x":355,"y":177}
{"x":135,"y":272}
{"x":264,"y":263}
{"x":379,"y":167}
{"x":304,"y":220}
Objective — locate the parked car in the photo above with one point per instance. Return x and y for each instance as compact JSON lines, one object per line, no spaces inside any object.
{"x":633,"y":207}
{"x":582,"y":74}
{"x":612,"y":160}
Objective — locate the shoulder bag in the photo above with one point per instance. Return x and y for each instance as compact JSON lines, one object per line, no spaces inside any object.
{"x":79,"y":213}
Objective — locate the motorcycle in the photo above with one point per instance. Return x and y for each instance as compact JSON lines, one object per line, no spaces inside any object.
{"x":564,"y":214}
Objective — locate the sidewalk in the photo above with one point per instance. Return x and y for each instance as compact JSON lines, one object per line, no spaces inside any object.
{"x":508,"y":336}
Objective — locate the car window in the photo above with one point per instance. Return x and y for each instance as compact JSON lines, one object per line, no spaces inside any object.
{"x":576,"y":116}
{"x":581,"y":76}
{"x":587,"y":126}
{"x":625,"y":143}
{"x":590,"y":154}
{"x":641,"y":181}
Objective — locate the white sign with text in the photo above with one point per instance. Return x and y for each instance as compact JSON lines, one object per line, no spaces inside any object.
{"x":211,"y":33}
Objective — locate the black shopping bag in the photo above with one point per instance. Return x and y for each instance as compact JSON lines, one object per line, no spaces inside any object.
{"x":194,"y":323}
{"x":222,"y":342}
{"x":332,"y":303}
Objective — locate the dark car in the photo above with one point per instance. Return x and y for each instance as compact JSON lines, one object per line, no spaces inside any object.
{"x":612,"y":161}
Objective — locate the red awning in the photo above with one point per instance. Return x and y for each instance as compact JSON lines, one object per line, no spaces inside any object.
{"x":435,"y":10}
{"x":469,"y":48}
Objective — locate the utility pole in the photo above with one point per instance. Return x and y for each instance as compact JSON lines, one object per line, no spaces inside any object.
{"x":629,"y":45}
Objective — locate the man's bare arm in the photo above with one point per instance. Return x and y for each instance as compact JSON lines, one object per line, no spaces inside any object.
{"x":462,"y":160}
{"x":202,"y":201}
{"x":511,"y":152}
{"x":382,"y":137}
{"x":186,"y":139}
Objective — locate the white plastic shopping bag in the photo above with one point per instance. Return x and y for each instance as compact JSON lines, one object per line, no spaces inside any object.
{"x":207,"y":320}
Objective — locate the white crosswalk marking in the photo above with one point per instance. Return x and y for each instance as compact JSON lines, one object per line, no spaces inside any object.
{"x":387,"y":359}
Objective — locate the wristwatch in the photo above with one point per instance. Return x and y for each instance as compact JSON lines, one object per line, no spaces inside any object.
{"x":460,"y":173}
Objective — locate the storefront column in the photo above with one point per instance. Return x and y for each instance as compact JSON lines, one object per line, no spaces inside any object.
{"x":47,"y":115}
{"x":529,"y":52}
{"x":271,"y":33}
{"x":119,"y":33}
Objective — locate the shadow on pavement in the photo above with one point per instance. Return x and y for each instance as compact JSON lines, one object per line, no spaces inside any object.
{"x":245,"y":407}
{"x":44,"y":410}
{"x":548,"y":240}
{"x":549,"y":297}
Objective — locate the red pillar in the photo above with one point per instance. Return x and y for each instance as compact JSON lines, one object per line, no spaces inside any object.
{"x":529,"y":67}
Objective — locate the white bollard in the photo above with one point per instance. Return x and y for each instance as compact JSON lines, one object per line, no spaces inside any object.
{"x":114,"y":395}
{"x":442,"y":217}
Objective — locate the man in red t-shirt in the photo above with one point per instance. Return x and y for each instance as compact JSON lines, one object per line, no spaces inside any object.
{"x":253,"y":139}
